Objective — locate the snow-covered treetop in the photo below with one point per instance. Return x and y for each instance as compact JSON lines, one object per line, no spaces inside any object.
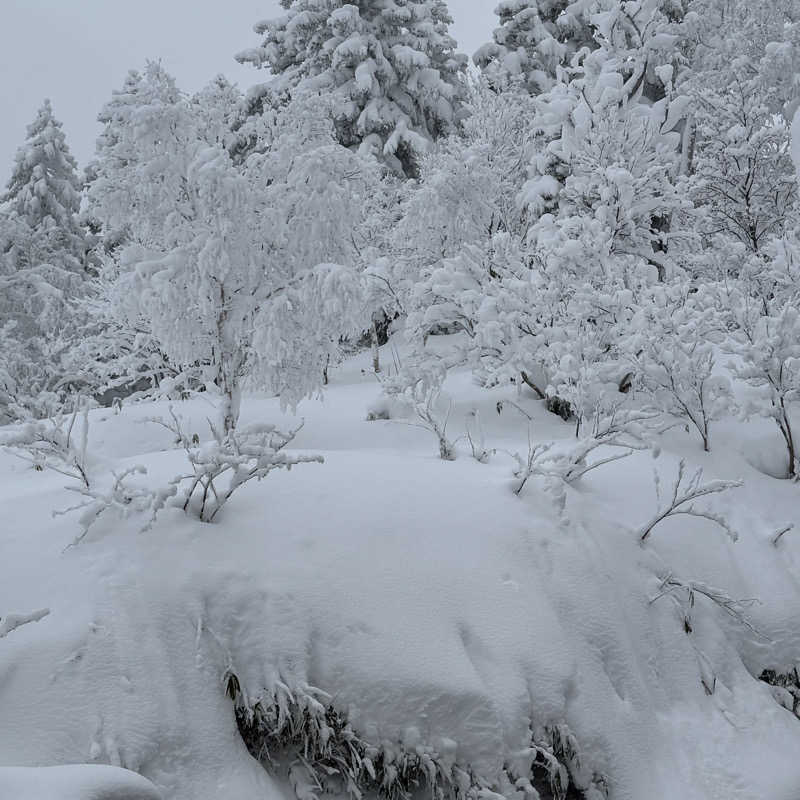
{"x":220,"y":101}
{"x":391,"y":63}
{"x":44,"y":188}
{"x":137,"y":120}
{"x":534,"y":37}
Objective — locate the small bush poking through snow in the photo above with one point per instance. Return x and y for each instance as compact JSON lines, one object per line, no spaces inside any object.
{"x":432,"y":418}
{"x":785,"y":688}
{"x":58,"y":444}
{"x":122,"y":497}
{"x":477,"y":441}
{"x":228,"y":461}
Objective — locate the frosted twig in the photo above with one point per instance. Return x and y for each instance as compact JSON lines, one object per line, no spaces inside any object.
{"x":776,"y":537}
{"x":684,"y":592}
{"x":50,"y":444}
{"x":477,"y":446}
{"x":680,"y":501}
{"x":578,"y":466}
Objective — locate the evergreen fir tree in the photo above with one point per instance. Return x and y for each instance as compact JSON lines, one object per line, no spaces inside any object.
{"x":44,"y":193}
{"x":42,"y":270}
{"x":391,"y":64}
{"x":533,"y":39}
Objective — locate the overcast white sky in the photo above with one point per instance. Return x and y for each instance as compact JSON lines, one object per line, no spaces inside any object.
{"x":76,"y":51}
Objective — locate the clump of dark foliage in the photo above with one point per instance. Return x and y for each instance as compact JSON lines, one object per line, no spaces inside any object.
{"x":298,"y":732}
{"x":785,"y":688}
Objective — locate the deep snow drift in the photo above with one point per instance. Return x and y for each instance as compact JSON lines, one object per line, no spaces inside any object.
{"x":431,"y":603}
{"x":75,"y":782}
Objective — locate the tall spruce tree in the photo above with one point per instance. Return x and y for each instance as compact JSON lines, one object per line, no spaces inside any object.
{"x":42,"y":269}
{"x":533,"y":39}
{"x":391,"y":64}
{"x":44,"y":193}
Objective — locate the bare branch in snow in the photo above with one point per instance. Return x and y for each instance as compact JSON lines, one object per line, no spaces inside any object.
{"x":681,"y":500}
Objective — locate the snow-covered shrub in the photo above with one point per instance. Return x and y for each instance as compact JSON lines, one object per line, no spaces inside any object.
{"x":541,"y":461}
{"x":768,"y":359}
{"x":227,"y":462}
{"x":123,"y":498}
{"x":684,"y":595}
{"x":417,"y":385}
{"x":743,"y":185}
{"x":59,"y":444}
{"x":675,"y":356}
{"x":473,"y":430}
{"x":432,"y":417}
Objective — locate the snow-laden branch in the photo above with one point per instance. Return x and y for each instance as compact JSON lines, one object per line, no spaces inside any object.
{"x":10,"y":622}
{"x":684,"y":593}
{"x":778,"y":534}
{"x":223,"y":465}
{"x":681,"y":500}
{"x":57,"y":444}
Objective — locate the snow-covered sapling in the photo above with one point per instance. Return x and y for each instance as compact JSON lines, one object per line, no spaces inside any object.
{"x":613,"y":426}
{"x":768,"y":350}
{"x":228,"y":461}
{"x":58,"y":444}
{"x":684,"y":594}
{"x":426,"y":401}
{"x":540,"y":462}
{"x":676,"y":358}
{"x":681,"y":500}
{"x":475,"y":437}
{"x":579,"y":466}
{"x":432,"y":420}
{"x":123,"y":498}
{"x":61,"y":445}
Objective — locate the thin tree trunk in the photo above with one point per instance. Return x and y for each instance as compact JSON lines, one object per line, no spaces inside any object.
{"x":529,"y":382}
{"x":376,"y":354}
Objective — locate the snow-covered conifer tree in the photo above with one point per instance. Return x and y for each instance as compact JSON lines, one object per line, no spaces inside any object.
{"x":140,"y":122}
{"x":391,"y":64}
{"x":534,"y":38}
{"x":42,"y":267}
{"x":44,"y":190}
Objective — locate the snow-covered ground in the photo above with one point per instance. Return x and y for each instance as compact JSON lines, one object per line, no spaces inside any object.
{"x":432,"y":603}
{"x":74,"y":782}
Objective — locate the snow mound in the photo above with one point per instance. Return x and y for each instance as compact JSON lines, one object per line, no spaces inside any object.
{"x":75,"y":782}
